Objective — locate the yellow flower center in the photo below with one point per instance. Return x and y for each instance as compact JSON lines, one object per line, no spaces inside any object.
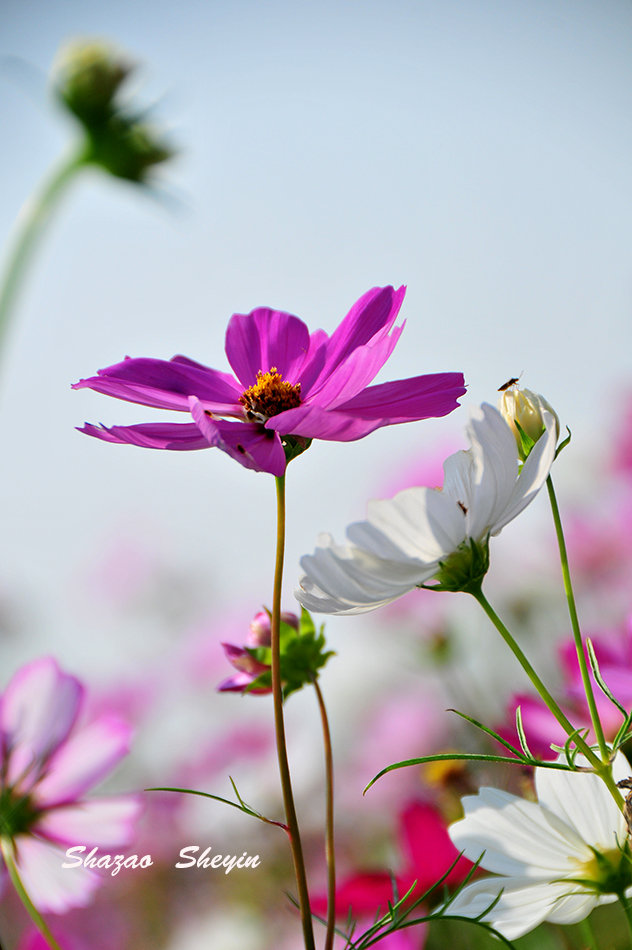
{"x":269,"y":396}
{"x":607,"y":872}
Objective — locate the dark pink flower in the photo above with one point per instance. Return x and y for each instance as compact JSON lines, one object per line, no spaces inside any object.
{"x":47,"y":764}
{"x":428,"y":853}
{"x":289,"y":387}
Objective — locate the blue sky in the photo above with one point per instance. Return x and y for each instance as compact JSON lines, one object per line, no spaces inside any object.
{"x":478,"y":152}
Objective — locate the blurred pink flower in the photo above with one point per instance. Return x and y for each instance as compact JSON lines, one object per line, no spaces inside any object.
{"x":614,"y":656}
{"x":47,"y":763}
{"x":428,"y":853}
{"x":288,"y":385}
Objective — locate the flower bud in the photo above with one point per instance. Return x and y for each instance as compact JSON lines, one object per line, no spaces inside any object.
{"x":87,"y":77}
{"x":261,"y":627}
{"x":522,"y":411}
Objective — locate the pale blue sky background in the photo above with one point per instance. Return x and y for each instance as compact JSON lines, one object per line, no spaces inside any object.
{"x":479,"y":152}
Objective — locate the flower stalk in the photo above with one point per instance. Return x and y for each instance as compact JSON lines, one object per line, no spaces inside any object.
{"x":329,"y":821}
{"x":602,"y":768}
{"x":279,"y":726}
{"x":33,"y":218}
{"x":572,"y":610}
{"x":6,"y":847}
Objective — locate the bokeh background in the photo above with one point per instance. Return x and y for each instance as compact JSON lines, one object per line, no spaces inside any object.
{"x":478,"y":152}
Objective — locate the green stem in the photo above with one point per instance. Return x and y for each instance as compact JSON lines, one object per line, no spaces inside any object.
{"x":603,"y":769}
{"x":6,"y":846}
{"x":30,"y":224}
{"x":329,"y":833}
{"x":626,"y":909}
{"x":587,"y":935}
{"x":579,"y":646}
{"x":279,"y":726}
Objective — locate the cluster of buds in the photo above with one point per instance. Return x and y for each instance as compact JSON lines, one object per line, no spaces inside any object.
{"x":87,"y":79}
{"x":302,"y":651}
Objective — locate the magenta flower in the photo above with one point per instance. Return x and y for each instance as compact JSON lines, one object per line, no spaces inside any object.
{"x":289,"y":387}
{"x":243,"y":659}
{"x":46,"y":765}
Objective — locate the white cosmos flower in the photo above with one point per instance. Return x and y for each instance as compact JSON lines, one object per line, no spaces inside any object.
{"x":556,"y":859}
{"x":426,"y":533}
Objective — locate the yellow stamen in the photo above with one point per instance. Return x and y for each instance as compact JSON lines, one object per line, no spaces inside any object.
{"x":270,"y":395}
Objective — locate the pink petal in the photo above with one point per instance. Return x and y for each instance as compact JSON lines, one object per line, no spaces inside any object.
{"x":355,"y":373}
{"x":175,"y":436}
{"x":419,"y":397}
{"x":405,"y":400}
{"x":312,"y":422}
{"x":106,"y":822}
{"x":248,"y":443}
{"x":165,"y":384}
{"x":84,"y":760}
{"x":361,"y":894}
{"x":39,"y":708}
{"x":369,"y":320}
{"x":51,"y":887}
{"x":430,"y":849}
{"x":263,"y":339}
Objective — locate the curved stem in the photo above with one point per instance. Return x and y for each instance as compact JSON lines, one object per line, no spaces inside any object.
{"x":30,"y":223}
{"x":579,"y":646}
{"x":6,"y":846}
{"x":329,"y":833}
{"x":279,"y":726}
{"x":603,"y":769}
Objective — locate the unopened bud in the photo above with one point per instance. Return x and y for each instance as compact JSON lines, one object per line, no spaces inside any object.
{"x":87,"y":77}
{"x":261,"y":627}
{"x":523,"y":412}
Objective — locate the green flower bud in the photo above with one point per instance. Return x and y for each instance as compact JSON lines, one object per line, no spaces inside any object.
{"x":87,"y":79}
{"x":522,"y":411}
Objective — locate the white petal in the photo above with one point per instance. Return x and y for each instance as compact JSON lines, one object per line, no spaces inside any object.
{"x":51,"y":887}
{"x":533,"y":474}
{"x":522,"y":906}
{"x":424,"y":524}
{"x":345,"y":579}
{"x":107,"y":822}
{"x":582,"y":800}
{"x":519,"y":838}
{"x":494,"y":468}
{"x":39,"y":708}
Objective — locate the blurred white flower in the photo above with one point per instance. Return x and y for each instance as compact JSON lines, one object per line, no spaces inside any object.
{"x":429,"y":533}
{"x":556,"y":858}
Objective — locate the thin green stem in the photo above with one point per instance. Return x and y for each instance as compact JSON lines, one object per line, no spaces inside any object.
{"x":279,"y":726}
{"x":579,"y":646}
{"x":6,"y":846}
{"x":587,"y":935}
{"x":329,"y":827}
{"x":625,"y":903}
{"x":30,"y":224}
{"x":603,"y":769}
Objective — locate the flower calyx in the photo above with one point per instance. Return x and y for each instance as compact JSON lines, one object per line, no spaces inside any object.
{"x":463,"y":569}
{"x":303,"y":654}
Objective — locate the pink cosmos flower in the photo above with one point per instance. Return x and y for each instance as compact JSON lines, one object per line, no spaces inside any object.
{"x":248,"y":667}
{"x":289,"y":387}
{"x":614,"y":655}
{"x":429,"y":853}
{"x":46,"y":765}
